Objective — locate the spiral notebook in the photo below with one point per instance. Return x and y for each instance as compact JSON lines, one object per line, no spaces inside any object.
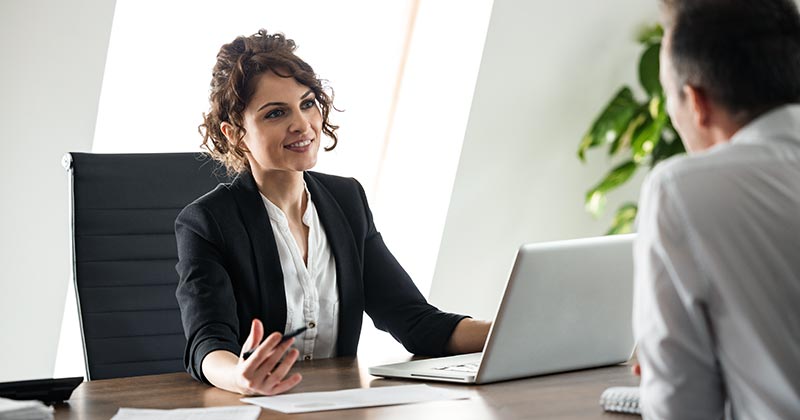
{"x":621,"y":399}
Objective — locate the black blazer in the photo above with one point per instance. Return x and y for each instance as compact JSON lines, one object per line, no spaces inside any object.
{"x":230,"y":272}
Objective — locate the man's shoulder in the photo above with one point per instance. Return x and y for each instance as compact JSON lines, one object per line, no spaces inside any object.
{"x":693,"y":169}
{"x":708,"y":184}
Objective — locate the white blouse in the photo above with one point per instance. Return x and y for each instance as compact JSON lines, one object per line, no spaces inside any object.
{"x":311,"y":295}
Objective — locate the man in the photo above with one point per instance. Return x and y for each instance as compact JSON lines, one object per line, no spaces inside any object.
{"x":717,"y":258}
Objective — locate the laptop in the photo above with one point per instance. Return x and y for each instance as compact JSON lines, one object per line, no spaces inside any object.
{"x":567,"y":305}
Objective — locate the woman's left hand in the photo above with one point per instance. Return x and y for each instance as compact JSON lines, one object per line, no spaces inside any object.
{"x":469,"y":336}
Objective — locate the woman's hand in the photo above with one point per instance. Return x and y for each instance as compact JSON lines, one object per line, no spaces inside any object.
{"x":469,"y":336}
{"x":636,"y":369}
{"x":263,"y":373}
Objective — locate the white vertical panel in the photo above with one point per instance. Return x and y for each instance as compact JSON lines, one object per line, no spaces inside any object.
{"x":548,"y":69}
{"x":53,"y":57}
{"x":417,"y":176}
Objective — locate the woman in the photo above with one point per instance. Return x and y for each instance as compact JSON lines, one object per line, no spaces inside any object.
{"x":284,"y":246}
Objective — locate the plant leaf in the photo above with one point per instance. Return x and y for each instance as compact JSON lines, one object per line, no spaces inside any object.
{"x":617,"y":176}
{"x":624,"y":140}
{"x":656,"y":108}
{"x":645,"y":138}
{"x":595,"y":197}
{"x":650,"y":34}
{"x":595,"y":202}
{"x":624,"y":219}
{"x":648,"y":70}
{"x":669,"y":145}
{"x":611,"y":123}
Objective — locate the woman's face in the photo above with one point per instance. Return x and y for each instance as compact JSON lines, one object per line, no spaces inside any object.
{"x":283,"y":124}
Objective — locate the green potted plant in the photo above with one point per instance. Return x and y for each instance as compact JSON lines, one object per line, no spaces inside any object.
{"x":637,"y":133}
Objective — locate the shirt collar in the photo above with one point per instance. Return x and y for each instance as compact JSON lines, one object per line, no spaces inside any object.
{"x":782,"y":123}
{"x":277,"y":215}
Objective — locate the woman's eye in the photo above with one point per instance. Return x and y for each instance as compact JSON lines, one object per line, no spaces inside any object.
{"x":274,"y":114}
{"x":309,"y":104}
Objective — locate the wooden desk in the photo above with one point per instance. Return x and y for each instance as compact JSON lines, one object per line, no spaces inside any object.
{"x":572,"y":395}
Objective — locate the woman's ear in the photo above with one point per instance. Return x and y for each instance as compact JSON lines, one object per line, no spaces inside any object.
{"x":227,"y":130}
{"x":231,"y":133}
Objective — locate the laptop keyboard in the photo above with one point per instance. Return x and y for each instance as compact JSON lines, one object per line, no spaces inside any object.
{"x":462,"y":367}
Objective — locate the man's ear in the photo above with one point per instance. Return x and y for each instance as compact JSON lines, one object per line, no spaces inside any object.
{"x":700,"y":105}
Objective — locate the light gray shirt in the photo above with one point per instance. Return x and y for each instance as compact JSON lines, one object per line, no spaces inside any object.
{"x":717,"y":273}
{"x":312,"y":298}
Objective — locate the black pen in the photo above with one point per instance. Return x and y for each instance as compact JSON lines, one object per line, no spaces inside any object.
{"x":294,"y":333}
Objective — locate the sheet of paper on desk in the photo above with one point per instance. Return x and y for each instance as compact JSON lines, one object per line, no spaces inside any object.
{"x":240,"y":412}
{"x":356,"y":398}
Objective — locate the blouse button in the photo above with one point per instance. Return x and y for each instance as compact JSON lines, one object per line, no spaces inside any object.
{"x":307,"y":357}
{"x":311,"y":324}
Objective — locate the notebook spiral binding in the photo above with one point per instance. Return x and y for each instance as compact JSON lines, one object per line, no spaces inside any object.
{"x":621,"y":399}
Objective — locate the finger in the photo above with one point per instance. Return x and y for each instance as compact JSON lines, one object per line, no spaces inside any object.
{"x":283,"y":368}
{"x":256,"y":333}
{"x":286,"y":385}
{"x":266,"y":378}
{"x":275,"y":356}
{"x":261,"y":354}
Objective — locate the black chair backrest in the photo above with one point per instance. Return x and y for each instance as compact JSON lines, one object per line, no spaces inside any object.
{"x":124,"y":254}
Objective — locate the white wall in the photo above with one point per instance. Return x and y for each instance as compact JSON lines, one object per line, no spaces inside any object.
{"x":53,"y":56}
{"x":548,"y":68}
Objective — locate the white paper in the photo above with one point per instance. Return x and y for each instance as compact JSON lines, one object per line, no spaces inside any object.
{"x":355,"y":398}
{"x":241,"y":412}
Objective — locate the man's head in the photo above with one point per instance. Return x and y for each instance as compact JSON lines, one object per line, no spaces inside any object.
{"x":725,"y":62}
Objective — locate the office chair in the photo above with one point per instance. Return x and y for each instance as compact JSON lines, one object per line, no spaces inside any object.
{"x":124,"y":254}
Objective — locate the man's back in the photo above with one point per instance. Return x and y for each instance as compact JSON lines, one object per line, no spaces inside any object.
{"x":719,"y":259}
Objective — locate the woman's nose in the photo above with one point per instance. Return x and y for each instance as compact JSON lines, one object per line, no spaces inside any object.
{"x":299,"y":122}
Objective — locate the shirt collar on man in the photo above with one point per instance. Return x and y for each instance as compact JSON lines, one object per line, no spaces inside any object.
{"x":782,"y":123}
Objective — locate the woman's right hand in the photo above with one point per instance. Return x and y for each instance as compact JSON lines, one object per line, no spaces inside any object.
{"x":264,"y":373}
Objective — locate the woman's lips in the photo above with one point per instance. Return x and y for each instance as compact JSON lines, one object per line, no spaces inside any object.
{"x":299,"y":146}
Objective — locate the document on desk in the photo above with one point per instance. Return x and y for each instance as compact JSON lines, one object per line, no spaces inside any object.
{"x":239,"y":412}
{"x":306,"y":402}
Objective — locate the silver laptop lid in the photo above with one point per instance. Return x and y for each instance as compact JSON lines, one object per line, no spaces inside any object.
{"x":567,"y":305}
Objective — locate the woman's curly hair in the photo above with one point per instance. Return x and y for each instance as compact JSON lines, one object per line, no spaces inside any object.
{"x":233,"y":83}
